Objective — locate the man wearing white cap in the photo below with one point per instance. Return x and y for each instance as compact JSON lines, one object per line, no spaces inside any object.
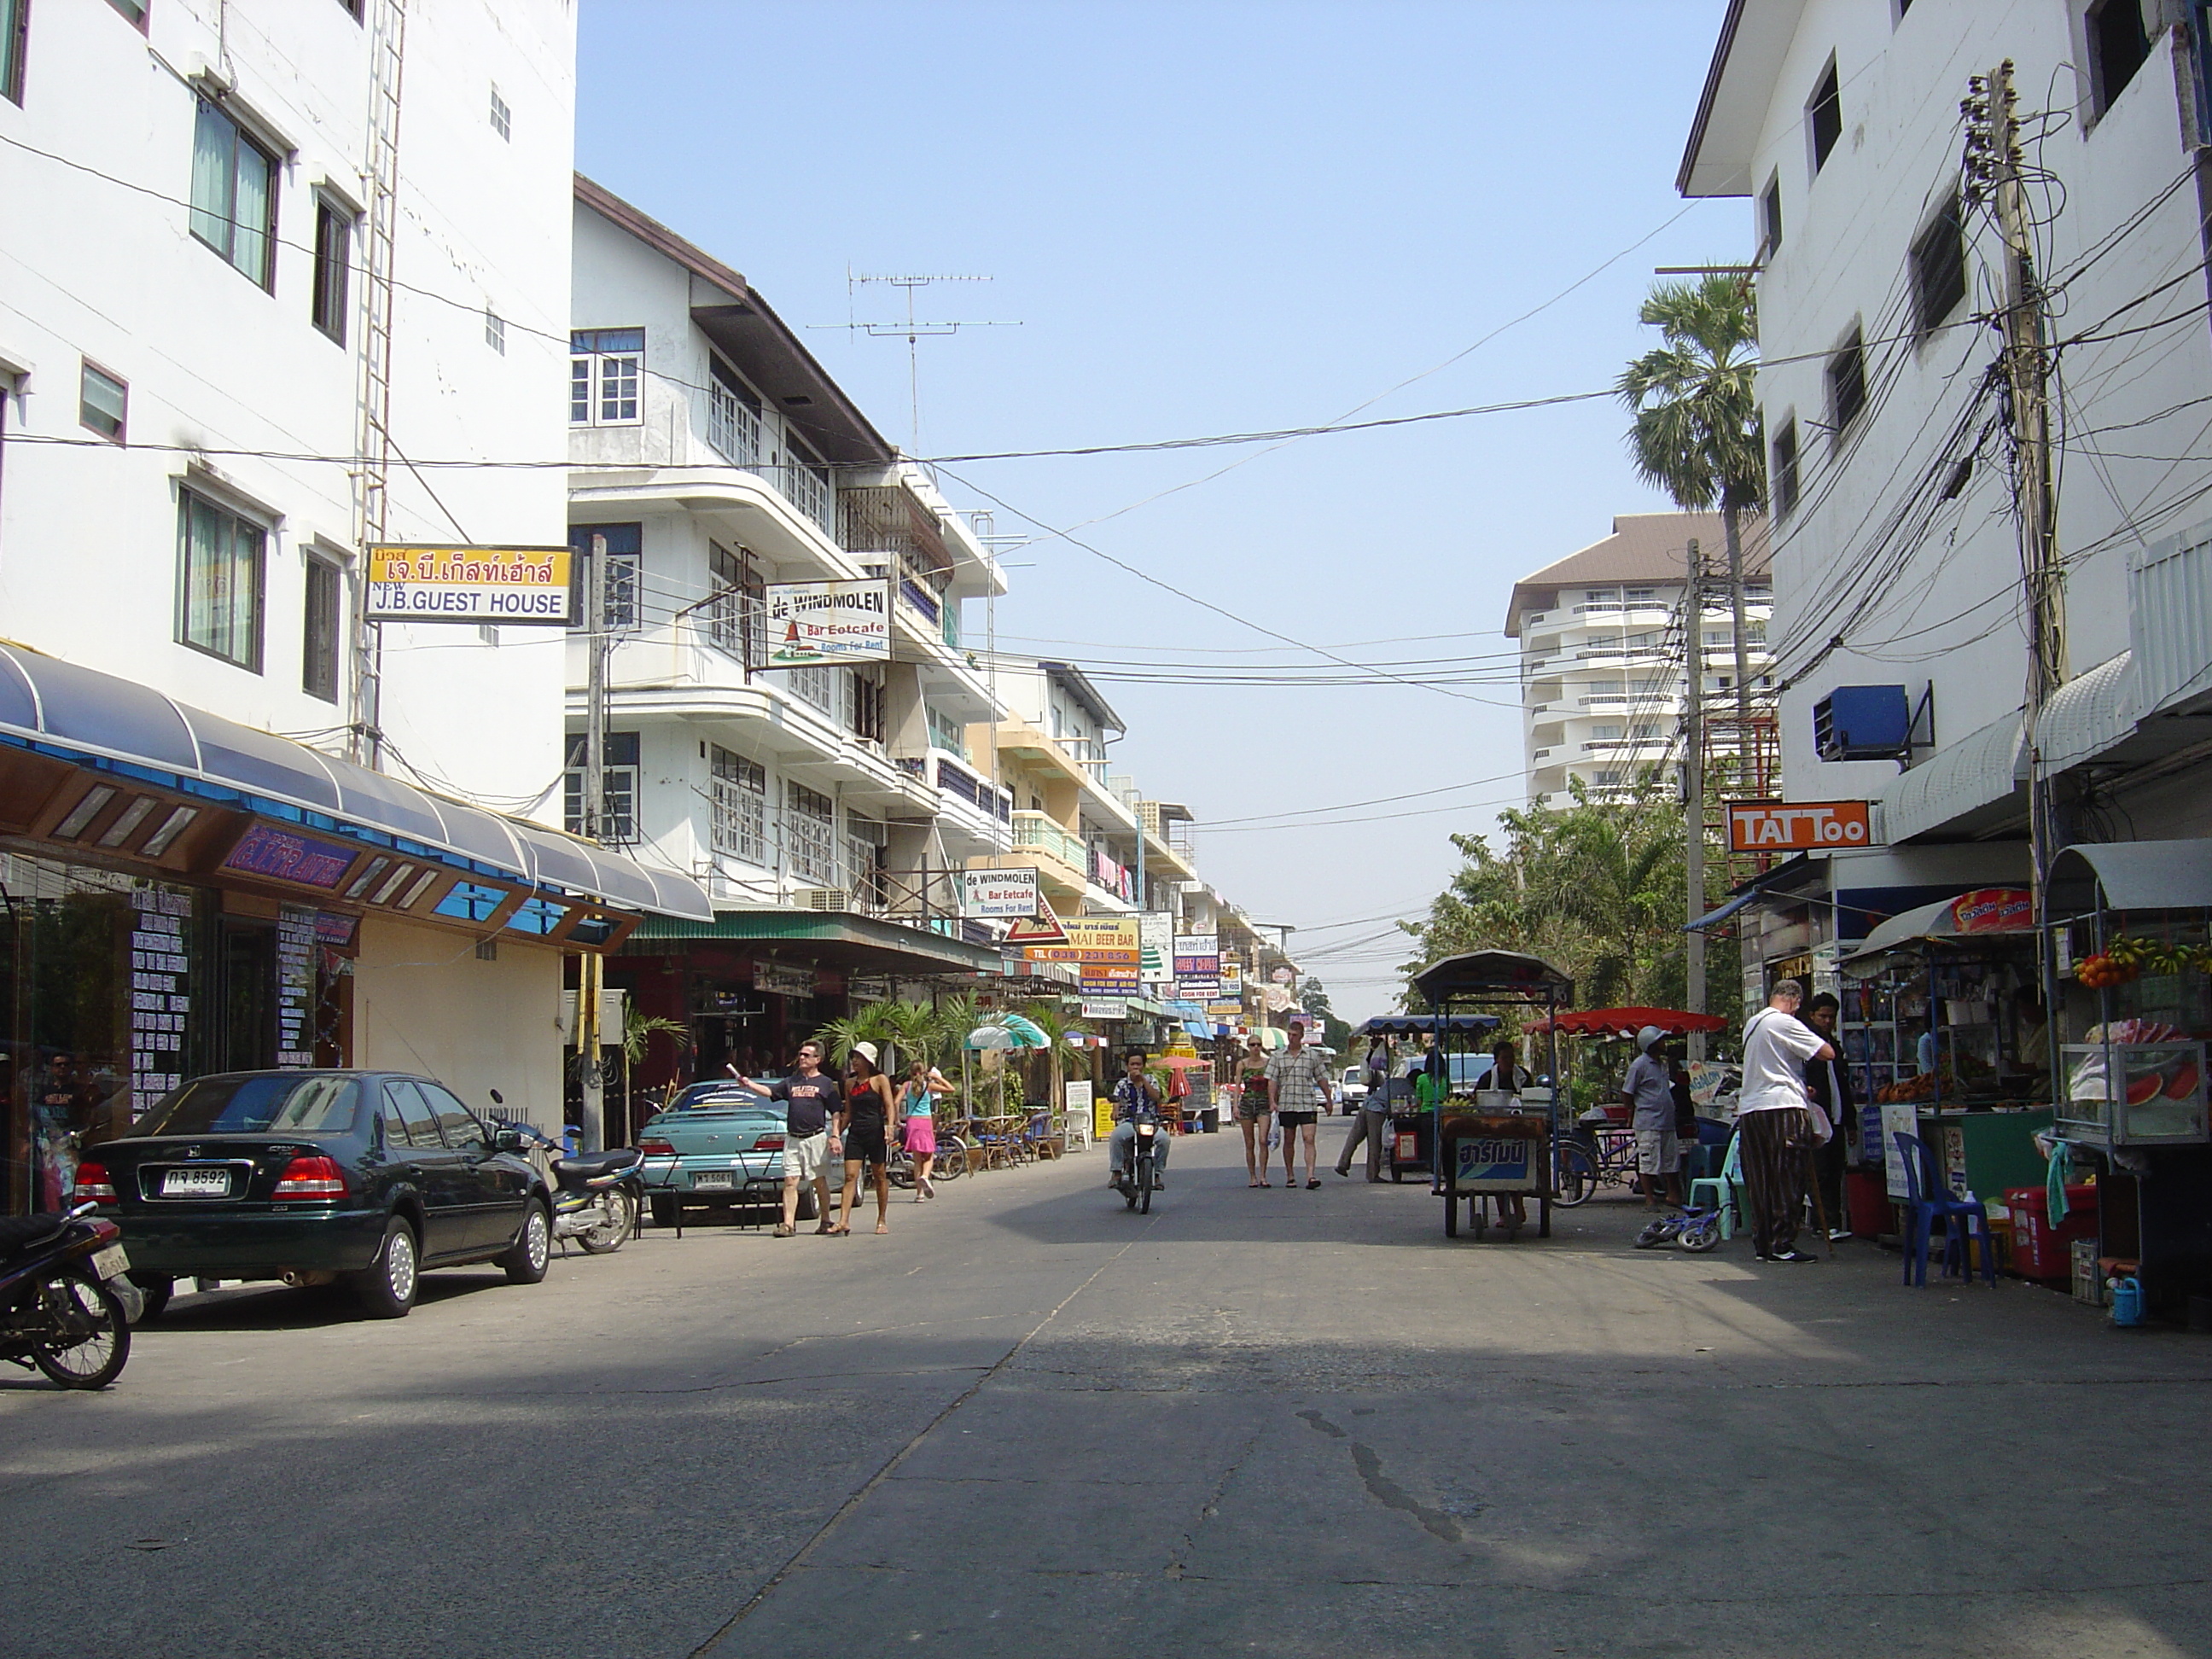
{"x":1649,"y":1089}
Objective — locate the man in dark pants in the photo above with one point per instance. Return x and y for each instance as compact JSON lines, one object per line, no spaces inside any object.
{"x":1772,"y":1120}
{"x":1828,"y":1082}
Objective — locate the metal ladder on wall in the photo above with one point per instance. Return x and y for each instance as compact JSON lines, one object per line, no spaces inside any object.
{"x":373,"y":442}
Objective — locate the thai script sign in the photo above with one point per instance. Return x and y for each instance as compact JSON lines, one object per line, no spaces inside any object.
{"x":1993,"y":910}
{"x":528,"y":586}
{"x":1773,"y":826}
{"x":813,"y":622}
{"x":999,"y":892}
{"x":263,"y":851}
{"x":1105,"y":951}
{"x":1198,"y":966}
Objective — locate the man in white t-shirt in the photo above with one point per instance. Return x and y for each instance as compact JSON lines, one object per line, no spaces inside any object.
{"x":1772,"y":1121}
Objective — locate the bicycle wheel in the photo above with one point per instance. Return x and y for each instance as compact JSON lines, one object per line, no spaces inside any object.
{"x":951,"y":1160}
{"x":1575,"y":1177}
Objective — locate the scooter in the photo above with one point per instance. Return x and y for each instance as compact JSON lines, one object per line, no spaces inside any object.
{"x":1135,"y":1184}
{"x":596,"y":1196}
{"x":65,"y":1305}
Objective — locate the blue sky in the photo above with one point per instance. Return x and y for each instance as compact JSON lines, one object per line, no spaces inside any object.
{"x":1215,"y":218}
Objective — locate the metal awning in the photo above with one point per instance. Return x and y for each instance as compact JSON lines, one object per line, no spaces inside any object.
{"x":1714,"y":918}
{"x":2088,"y":715}
{"x":1962,"y":788}
{"x":1502,"y":974}
{"x":59,"y":708}
{"x":2131,"y":875}
{"x":1934,"y":922}
{"x":838,"y":938}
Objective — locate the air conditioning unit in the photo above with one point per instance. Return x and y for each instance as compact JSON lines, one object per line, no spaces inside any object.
{"x":1863,"y":722}
{"x":823,"y":898}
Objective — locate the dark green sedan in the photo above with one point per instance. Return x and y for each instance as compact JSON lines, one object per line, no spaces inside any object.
{"x":317,"y":1176}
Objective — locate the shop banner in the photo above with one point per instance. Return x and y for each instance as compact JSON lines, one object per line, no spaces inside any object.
{"x":1198,"y":966}
{"x":528,"y":586}
{"x":1994,"y":910}
{"x":281,"y":855}
{"x":1772,"y":826}
{"x":1104,"y":1008}
{"x":781,"y":979}
{"x":1156,"y":929}
{"x":999,"y":892}
{"x":1105,"y":951}
{"x":810,"y":623}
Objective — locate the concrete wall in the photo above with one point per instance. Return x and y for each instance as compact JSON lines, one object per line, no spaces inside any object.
{"x":423,"y":1001}
{"x":1923,"y":589}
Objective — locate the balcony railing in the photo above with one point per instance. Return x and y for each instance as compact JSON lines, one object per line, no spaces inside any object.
{"x":957,"y":781}
{"x":1034,"y":829}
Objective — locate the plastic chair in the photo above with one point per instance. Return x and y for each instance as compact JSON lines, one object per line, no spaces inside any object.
{"x":1719,"y":1192}
{"x":1926,"y":1198}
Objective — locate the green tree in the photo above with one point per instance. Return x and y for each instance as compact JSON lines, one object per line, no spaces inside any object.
{"x":1696,"y":434}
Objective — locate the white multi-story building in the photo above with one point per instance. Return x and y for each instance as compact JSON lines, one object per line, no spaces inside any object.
{"x":828,"y":810}
{"x":1896,"y":556}
{"x":290,"y":277}
{"x":1604,"y":654}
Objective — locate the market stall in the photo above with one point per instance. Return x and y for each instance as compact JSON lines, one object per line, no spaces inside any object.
{"x":2133,"y":964}
{"x":1499,"y":1153}
{"x":1412,"y":1125}
{"x":1942,"y":1025}
{"x":1600,"y":1144}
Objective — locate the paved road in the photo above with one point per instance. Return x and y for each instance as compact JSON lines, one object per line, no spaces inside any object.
{"x":1028,"y":1422}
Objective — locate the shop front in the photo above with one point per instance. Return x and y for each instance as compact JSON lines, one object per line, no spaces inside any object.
{"x":179,"y":894}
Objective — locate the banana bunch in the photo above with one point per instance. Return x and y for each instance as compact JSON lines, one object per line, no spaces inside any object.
{"x":2150,"y":955}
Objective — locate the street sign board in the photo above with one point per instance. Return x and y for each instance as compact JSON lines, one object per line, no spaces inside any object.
{"x":810,"y":623}
{"x":525,"y":587}
{"x":999,"y":892}
{"x":1038,"y":935}
{"x":1773,"y":826}
{"x":1105,"y":950}
{"x":1198,"y":966}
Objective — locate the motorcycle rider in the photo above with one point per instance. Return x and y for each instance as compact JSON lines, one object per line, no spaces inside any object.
{"x":1133,"y":1094}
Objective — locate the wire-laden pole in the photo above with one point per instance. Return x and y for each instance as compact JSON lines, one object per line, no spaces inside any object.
{"x":1694,"y":786}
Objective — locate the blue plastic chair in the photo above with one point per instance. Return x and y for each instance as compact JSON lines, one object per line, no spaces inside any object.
{"x":1721,"y":1189}
{"x":1926,"y":1198}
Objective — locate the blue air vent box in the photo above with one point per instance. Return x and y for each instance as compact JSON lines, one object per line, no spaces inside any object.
{"x":1863,"y":722}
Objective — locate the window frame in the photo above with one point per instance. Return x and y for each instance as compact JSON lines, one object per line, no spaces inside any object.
{"x":810,"y":852}
{"x":623,"y":579}
{"x":14,"y":48}
{"x":496,"y":330}
{"x":2102,"y":95}
{"x":187,"y":496}
{"x":331,"y":290}
{"x":1850,"y":355}
{"x":621,"y":775}
{"x":502,"y":115}
{"x":738,"y":793}
{"x":1827,"y":96}
{"x":1786,"y":463}
{"x":1949,"y":215}
{"x":590,"y":361}
{"x":322,"y":572}
{"x":243,"y":139}
{"x":87,"y":370}
{"x":1770,"y":216}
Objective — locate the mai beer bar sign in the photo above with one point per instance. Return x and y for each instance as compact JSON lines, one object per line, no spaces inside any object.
{"x":526,"y":586}
{"x":1774,"y":826}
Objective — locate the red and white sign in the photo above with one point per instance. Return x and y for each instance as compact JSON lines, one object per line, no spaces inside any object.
{"x":1993,"y":910}
{"x":1773,"y":826}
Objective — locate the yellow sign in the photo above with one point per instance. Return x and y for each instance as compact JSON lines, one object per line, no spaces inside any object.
{"x":508,"y":585}
{"x":1100,"y":941}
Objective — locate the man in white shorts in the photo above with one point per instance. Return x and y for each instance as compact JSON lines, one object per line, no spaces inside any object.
{"x":812,"y":1098}
{"x":1648,"y":1088}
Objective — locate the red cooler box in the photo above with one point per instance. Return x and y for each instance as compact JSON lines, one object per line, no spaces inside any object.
{"x":2038,"y":1249}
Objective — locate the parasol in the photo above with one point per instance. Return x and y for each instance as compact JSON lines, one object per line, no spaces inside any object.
{"x":1627,"y":1022}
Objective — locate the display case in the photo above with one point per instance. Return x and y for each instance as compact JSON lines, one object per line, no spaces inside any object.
{"x":2134,"y":1094}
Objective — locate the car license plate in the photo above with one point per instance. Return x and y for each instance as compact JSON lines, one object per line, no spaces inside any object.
{"x":110,"y":1263}
{"x":196,"y":1183}
{"x":724,"y":1179}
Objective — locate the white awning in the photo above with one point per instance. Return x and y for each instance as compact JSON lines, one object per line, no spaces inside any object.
{"x":1965,"y":778}
{"x":2132,"y":875}
{"x":2088,"y":715}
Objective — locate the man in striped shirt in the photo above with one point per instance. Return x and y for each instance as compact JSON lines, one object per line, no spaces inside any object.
{"x":1297,"y":1082}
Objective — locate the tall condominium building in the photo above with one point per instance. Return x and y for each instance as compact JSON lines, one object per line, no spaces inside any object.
{"x":1602,"y":648}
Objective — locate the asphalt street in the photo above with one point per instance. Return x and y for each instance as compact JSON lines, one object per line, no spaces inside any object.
{"x":1028,"y":1422}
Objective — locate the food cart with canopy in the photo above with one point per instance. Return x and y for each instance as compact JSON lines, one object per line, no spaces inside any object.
{"x":1496,"y":1154}
{"x":1413,"y":1131}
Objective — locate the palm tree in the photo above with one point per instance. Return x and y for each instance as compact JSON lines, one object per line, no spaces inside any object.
{"x":1697,"y":434}
{"x":638,"y":1032}
{"x":872,"y":1024}
{"x":1048,"y":1018}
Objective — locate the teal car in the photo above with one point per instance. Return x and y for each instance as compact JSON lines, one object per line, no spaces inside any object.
{"x":716,"y":1146}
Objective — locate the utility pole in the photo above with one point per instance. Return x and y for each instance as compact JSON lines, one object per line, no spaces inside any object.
{"x":590,"y":1076}
{"x":1694,"y":785}
{"x":1993,"y":165}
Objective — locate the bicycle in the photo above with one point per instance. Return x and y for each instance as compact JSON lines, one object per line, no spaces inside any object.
{"x":1581,"y":1164}
{"x":952,"y":1154}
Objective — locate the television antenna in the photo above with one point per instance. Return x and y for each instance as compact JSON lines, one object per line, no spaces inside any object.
{"x":914,"y":328}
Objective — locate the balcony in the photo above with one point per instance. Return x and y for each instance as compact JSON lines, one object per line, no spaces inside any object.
{"x":1037,"y":832}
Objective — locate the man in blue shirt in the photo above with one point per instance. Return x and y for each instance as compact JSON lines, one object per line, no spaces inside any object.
{"x":1649,"y":1089}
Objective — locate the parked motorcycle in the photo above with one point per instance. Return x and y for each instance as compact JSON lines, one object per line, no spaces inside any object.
{"x":596,"y":1196}
{"x":65,"y":1304}
{"x":1135,"y":1184}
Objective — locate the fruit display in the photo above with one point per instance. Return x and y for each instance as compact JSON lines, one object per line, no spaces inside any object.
{"x":2129,"y":957}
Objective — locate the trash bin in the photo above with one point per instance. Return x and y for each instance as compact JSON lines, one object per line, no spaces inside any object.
{"x":1209,"y":1121}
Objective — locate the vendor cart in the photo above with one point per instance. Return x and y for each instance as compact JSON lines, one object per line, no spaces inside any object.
{"x":1411,"y":1146}
{"x":1498,"y":1152}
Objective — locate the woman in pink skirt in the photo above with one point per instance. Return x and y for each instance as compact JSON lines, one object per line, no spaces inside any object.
{"x":919,"y":1107}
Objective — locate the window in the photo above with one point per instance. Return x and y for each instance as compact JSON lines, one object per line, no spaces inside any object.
{"x":625,"y":548}
{"x":234,"y":193}
{"x":1605,"y":779}
{"x":319,"y":643}
{"x":866,"y":716}
{"x":220,"y":557}
{"x":2117,"y":48}
{"x":133,"y":9}
{"x":1847,"y":392}
{"x":1939,"y":267}
{"x":740,"y":796}
{"x":735,"y":614}
{"x":495,"y":330}
{"x":1824,"y":116}
{"x":462,"y":1132}
{"x":14,"y":36}
{"x":1604,"y":732}
{"x":815,"y":685}
{"x":946,"y":732}
{"x":502,"y":118}
{"x":408,"y":1124}
{"x":333,"y":267}
{"x":862,"y":862}
{"x":102,"y":401}
{"x":809,"y":834}
{"x":1770,"y":217}
{"x":1640,"y":596}
{"x":733,"y":416}
{"x":1785,"y":467}
{"x":618,"y":798}
{"x":604,"y":367}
